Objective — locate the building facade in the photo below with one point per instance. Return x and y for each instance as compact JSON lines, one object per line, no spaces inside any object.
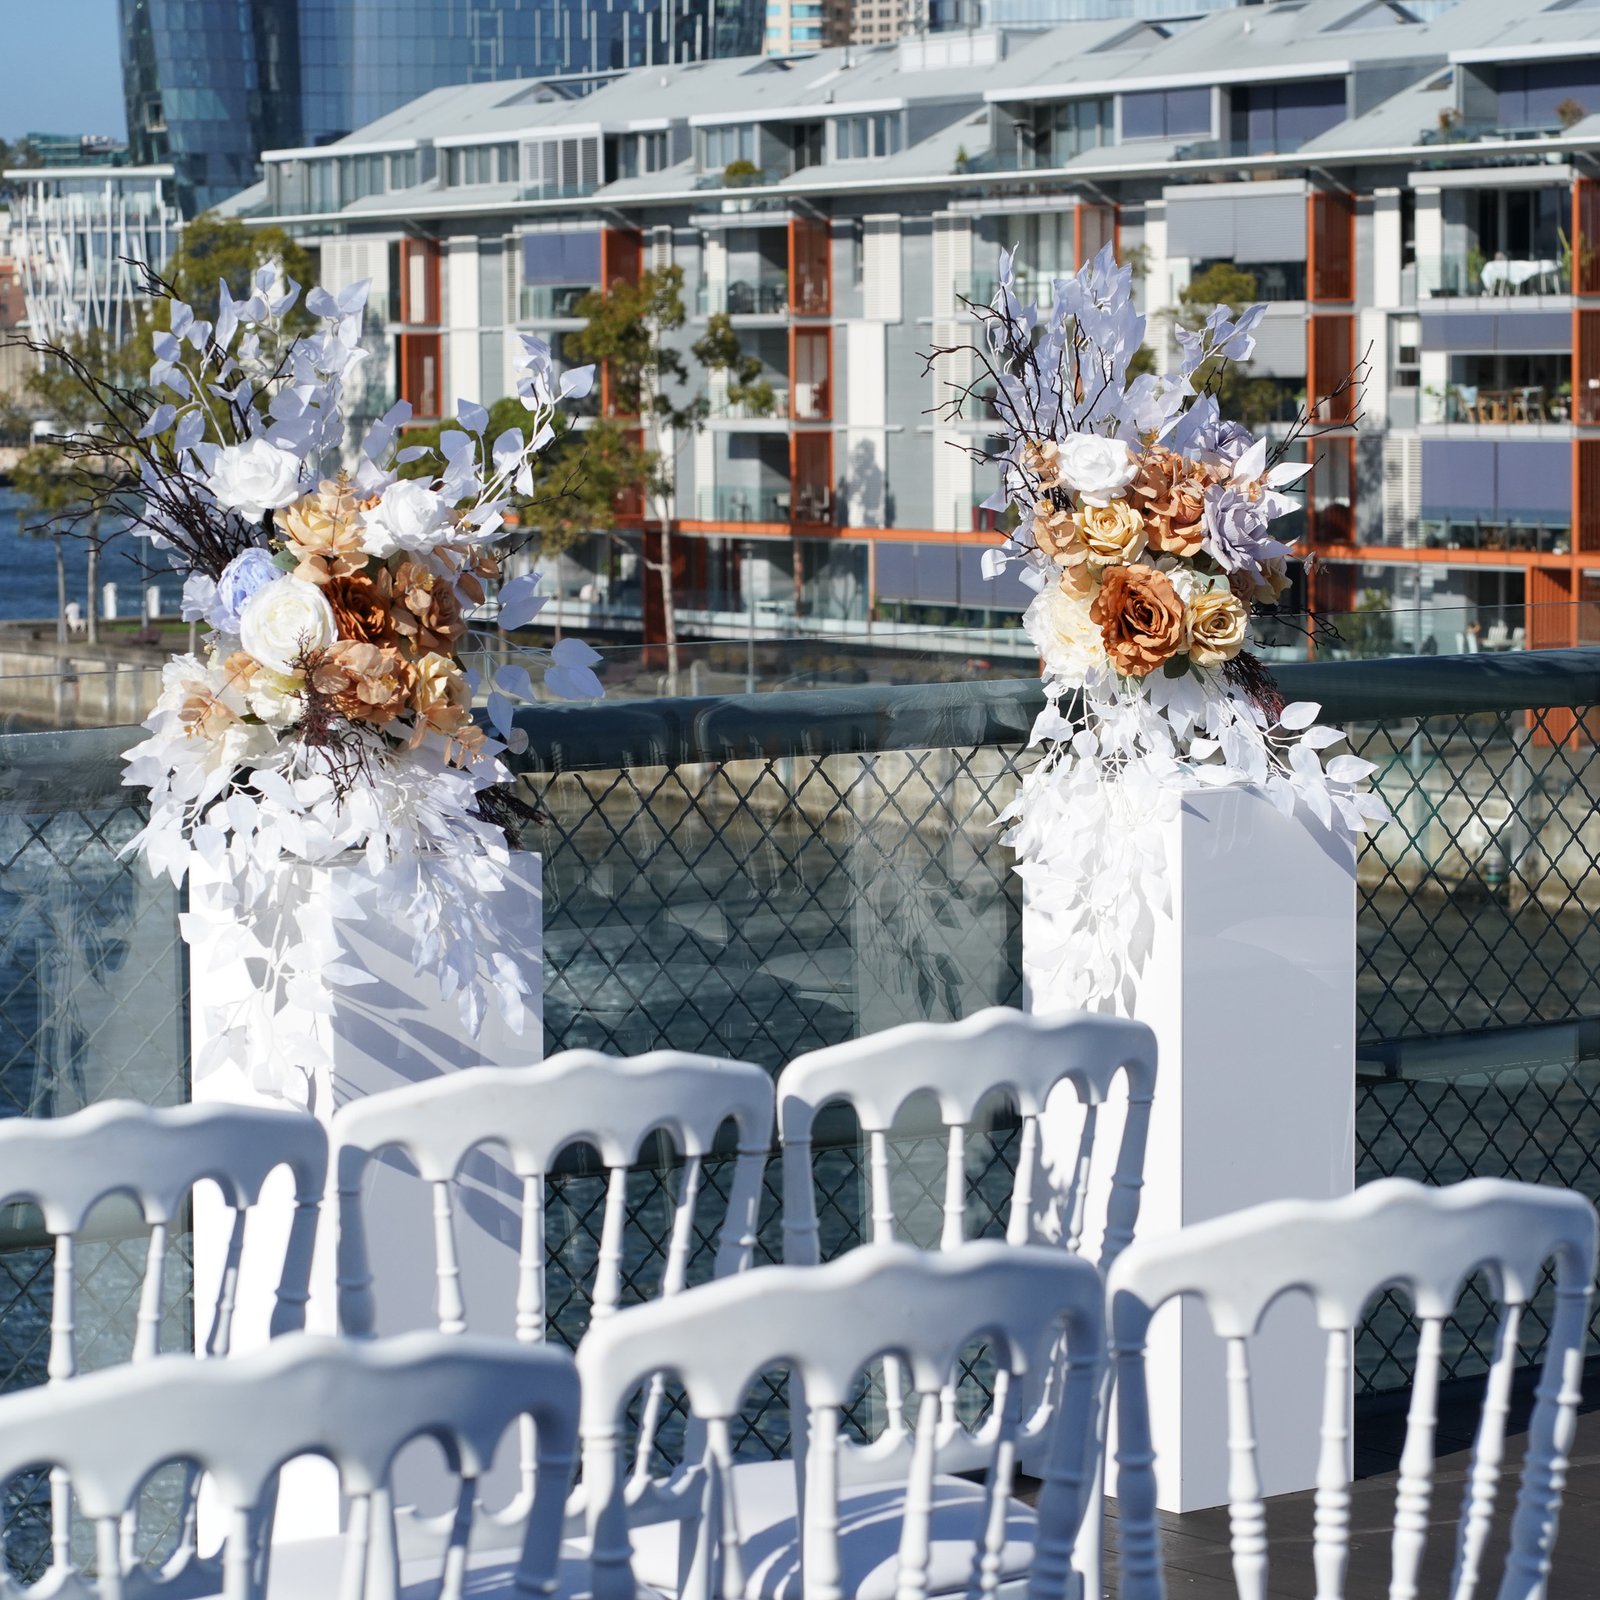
{"x":212,"y":83}
{"x":1417,"y":202}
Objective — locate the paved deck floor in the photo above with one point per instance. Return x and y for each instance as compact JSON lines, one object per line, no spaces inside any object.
{"x":1195,"y":1546}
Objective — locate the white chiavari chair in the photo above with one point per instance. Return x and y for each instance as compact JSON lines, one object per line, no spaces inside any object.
{"x":147,"y":1161}
{"x":928,"y":1534}
{"x":1342,"y":1253}
{"x":357,"y":1404}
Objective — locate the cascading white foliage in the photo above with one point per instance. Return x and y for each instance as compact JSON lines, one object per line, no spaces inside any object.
{"x":1142,"y":706}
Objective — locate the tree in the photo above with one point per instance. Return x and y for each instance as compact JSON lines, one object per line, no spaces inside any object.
{"x":626,"y":333}
{"x":213,"y":250}
{"x":1240,"y":397}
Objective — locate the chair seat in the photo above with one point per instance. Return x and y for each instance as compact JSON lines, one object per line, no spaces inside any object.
{"x":869,"y":1538}
{"x":309,"y":1569}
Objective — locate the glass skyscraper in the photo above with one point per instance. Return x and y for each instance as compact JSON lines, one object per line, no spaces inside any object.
{"x":212,"y":83}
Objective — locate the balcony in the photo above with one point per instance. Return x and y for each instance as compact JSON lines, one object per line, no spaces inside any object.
{"x":766,"y":296}
{"x":1442,"y":530}
{"x":715,"y":503}
{"x":544,"y":302}
{"x":1468,"y":274}
{"x":725,"y":410}
{"x":1501,"y":391}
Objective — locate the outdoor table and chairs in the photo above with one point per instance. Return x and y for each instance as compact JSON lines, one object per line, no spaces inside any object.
{"x":614,"y":1469}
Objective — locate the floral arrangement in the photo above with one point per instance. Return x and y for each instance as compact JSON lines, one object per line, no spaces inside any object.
{"x":328,"y":713}
{"x":1145,"y":529}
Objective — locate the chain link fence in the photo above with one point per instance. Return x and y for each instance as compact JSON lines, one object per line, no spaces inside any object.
{"x":758,"y":877}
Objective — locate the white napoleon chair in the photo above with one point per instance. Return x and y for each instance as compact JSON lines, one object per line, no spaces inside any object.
{"x":239,"y":1421}
{"x":1062,"y":1179}
{"x":930,"y":1534}
{"x":1342,"y":1253}
{"x":535,"y":1113}
{"x":146,"y":1161}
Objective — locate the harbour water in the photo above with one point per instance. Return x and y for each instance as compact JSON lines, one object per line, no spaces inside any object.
{"x":28,"y":569}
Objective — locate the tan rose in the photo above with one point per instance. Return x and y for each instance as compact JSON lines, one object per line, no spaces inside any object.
{"x":1110,"y":533}
{"x":366,"y":682}
{"x":322,"y":533}
{"x":426,"y":613}
{"x":363,"y":607}
{"x":443,"y":702}
{"x":1214,"y":627}
{"x":1140,"y":618}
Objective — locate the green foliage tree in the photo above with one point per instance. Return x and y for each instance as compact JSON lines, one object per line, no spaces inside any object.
{"x":1241,"y":397}
{"x":627,"y":332}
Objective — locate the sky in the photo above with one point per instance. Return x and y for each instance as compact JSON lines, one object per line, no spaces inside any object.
{"x":61,"y":71}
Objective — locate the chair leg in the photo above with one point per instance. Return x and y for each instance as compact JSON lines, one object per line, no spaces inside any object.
{"x":1088,"y":1551}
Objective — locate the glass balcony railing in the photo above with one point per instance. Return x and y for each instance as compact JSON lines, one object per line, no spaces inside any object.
{"x":549,"y":302}
{"x":726,"y":410}
{"x":714,"y":503}
{"x":743,"y":297}
{"x":1443,"y":530}
{"x":1471,"y":274}
{"x":1521,"y":404}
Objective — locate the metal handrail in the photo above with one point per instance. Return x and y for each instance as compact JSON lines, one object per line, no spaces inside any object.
{"x":41,"y":772}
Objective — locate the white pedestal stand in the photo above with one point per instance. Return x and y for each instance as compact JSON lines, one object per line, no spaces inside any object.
{"x":1250,"y":988}
{"x":394,"y":1031}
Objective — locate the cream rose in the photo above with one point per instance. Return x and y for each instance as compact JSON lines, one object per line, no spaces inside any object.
{"x":1066,"y":637}
{"x":284,"y":621}
{"x":278,"y":698}
{"x":1213,"y":627}
{"x":1110,"y":534}
{"x":1095,"y":468}
{"x":410,"y":517}
{"x":254,"y":478}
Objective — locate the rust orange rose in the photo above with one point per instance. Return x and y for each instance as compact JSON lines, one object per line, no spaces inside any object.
{"x":1140,"y":618}
{"x":362,"y":607}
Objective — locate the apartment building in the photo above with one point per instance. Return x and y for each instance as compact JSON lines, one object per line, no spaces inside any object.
{"x":1423,"y":194}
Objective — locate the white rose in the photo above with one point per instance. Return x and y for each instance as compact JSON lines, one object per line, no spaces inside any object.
{"x":283,"y":621}
{"x":1095,"y":468}
{"x":277,"y":698}
{"x":1067,"y":639}
{"x":409,"y":517}
{"x":254,"y":477}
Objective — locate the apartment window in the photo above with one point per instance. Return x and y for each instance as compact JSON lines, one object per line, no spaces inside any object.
{"x":866,"y":138}
{"x":360,"y":176}
{"x":483,"y":163}
{"x":721,"y":147}
{"x":1531,"y":94}
{"x":1076,"y":126}
{"x":1166,"y":113}
{"x":1284,"y":116}
{"x":403,"y":170}
{"x":324,"y":185}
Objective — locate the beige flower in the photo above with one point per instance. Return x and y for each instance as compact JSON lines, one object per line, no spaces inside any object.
{"x":1041,"y":460}
{"x":1056,"y":533}
{"x":1274,"y":582}
{"x":1110,"y":534}
{"x":1140,"y":618}
{"x":426,"y":613}
{"x":1214,"y":627}
{"x":443,"y":702}
{"x":366,"y":682}
{"x":322,"y":533}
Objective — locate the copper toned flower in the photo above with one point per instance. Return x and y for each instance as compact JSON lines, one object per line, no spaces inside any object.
{"x":426,"y":613}
{"x":1140,"y":618}
{"x":366,"y":682}
{"x":363,"y":607}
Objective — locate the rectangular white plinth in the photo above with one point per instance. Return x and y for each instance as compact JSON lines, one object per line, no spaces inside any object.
{"x":1250,"y":988}
{"x":383,"y":1035}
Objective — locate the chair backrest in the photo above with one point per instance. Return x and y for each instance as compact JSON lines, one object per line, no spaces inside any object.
{"x":828,"y":1324}
{"x":240,"y":1420}
{"x":961,"y":1064}
{"x":154,"y":1156}
{"x":535,"y":1112}
{"x":1390,"y":1234}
